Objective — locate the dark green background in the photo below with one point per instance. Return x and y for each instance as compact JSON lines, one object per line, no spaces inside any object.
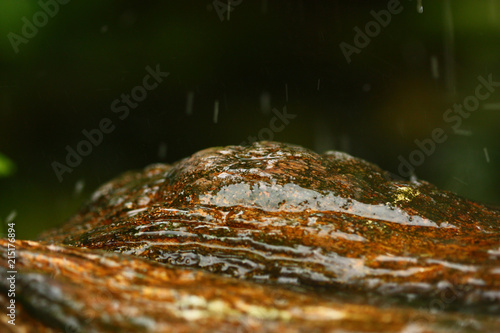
{"x":65,"y":78}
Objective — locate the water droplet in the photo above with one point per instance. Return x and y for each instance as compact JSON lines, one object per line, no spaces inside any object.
{"x":460,"y":181}
{"x":162,"y":150}
{"x":420,"y":7}
{"x":11,"y":217}
{"x":435,"y":67}
{"x":79,"y":186}
{"x":265,"y":102}
{"x":486,"y":154}
{"x":216,"y":111}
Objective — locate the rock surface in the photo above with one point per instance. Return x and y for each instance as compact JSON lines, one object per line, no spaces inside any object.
{"x":324,"y":228}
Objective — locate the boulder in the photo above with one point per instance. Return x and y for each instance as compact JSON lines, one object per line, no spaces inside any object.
{"x":329,"y":229}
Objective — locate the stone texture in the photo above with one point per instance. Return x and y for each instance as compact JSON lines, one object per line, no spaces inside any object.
{"x":282,"y":215}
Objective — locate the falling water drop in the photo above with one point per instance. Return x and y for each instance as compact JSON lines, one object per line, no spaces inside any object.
{"x":265,"y":102}
{"x":12,"y":215}
{"x":79,"y":186}
{"x":420,"y":7}
{"x":486,"y":154}
{"x":435,"y":67}
{"x":460,"y":181}
{"x":216,"y":111}
{"x":162,"y":150}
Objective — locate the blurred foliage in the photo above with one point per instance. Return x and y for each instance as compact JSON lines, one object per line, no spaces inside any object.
{"x":7,"y":167}
{"x":64,"y":79}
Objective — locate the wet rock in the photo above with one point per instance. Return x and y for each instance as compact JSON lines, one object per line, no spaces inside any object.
{"x":280,"y":213}
{"x":328,"y":229}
